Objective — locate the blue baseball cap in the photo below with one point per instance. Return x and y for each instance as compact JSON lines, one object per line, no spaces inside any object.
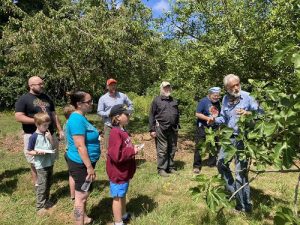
{"x":214,"y":90}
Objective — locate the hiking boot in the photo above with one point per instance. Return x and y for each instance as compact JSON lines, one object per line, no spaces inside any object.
{"x":172,"y":171}
{"x":163,"y":173}
{"x":196,"y":170}
{"x":49,"y":205}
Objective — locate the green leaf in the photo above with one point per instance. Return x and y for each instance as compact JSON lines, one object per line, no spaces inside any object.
{"x":230,"y":151}
{"x":269,"y":128}
{"x":296,"y":60}
{"x":281,"y":53}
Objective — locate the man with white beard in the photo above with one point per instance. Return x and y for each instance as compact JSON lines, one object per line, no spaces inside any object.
{"x":235,"y":103}
{"x":163,"y":126}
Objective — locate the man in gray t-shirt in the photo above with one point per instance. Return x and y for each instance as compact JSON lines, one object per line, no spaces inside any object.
{"x":106,"y":102}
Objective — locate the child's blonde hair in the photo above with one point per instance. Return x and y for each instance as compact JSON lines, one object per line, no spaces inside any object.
{"x":41,"y":118}
{"x":68,"y":109}
{"x":114,"y":120}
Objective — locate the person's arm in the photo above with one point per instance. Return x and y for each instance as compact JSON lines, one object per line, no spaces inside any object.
{"x":31,"y":146}
{"x":152,"y":122}
{"x":22,"y":118}
{"x":58,"y":125}
{"x":101,"y":108}
{"x":199,"y":111}
{"x":221,"y":119}
{"x":50,"y":138}
{"x":115,"y":151}
{"x":129,"y":103}
{"x":79,"y":141}
{"x":202,"y":116}
{"x":20,"y":109}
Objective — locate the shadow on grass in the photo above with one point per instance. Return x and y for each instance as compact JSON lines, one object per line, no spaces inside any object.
{"x":9,"y":186}
{"x":64,"y":191}
{"x":262,"y":209}
{"x":140,"y":162}
{"x":59,"y":176}
{"x":11,"y":173}
{"x":263,"y":204}
{"x":100,"y":184}
{"x":179,"y":164}
{"x":102,"y":212}
{"x":60,"y":193}
{"x":139,"y":205}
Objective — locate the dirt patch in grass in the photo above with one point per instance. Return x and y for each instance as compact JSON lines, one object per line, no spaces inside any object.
{"x":12,"y":142}
{"x":184,"y":147}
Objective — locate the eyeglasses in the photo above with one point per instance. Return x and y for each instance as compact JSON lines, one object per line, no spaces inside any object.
{"x":88,"y":102}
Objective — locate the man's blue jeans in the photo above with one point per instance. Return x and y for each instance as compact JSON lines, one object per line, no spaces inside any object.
{"x":241,"y":177}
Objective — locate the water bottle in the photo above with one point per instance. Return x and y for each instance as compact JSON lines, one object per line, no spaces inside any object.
{"x":86,"y":185}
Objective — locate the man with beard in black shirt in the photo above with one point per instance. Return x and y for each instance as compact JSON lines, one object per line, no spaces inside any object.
{"x":27,"y":106}
{"x":163,"y":125}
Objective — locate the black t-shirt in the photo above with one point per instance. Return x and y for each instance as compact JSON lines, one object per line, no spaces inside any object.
{"x":31,"y":104}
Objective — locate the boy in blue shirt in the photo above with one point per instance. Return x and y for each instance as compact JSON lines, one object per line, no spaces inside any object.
{"x":41,"y":147}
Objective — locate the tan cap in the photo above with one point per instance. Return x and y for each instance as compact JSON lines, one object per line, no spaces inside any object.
{"x":165,"y":84}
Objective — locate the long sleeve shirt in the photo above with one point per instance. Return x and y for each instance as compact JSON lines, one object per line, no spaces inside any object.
{"x":120,"y":163}
{"x":106,"y":102}
{"x":228,"y":113}
{"x":164,"y":112}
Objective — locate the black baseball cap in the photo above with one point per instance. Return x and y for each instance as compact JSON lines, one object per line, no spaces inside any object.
{"x":118,"y":110}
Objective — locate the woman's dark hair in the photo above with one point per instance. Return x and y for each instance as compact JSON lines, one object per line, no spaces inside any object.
{"x":76,"y":96}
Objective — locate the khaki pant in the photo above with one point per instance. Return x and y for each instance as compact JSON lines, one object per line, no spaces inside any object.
{"x":44,"y":179}
{"x":107,"y":130}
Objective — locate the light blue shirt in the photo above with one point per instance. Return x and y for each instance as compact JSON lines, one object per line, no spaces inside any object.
{"x":78,"y":125}
{"x":228,"y":113}
{"x":37,"y":142}
{"x":106,"y":102}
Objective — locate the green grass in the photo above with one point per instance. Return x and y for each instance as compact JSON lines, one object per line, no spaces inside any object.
{"x":152,"y":199}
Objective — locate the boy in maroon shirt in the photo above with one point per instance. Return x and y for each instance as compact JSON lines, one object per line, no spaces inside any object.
{"x":120,"y":164}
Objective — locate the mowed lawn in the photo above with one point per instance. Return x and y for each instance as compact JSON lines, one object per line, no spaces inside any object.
{"x":152,"y":199}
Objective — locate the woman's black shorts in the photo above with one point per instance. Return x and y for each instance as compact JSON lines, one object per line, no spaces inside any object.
{"x":79,"y":172}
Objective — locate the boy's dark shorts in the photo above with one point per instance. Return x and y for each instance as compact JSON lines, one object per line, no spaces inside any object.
{"x":79,"y":172}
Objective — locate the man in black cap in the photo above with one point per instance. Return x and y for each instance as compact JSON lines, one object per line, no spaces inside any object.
{"x":163,"y":125}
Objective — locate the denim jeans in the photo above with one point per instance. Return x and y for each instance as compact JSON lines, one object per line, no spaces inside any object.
{"x":241,"y":177}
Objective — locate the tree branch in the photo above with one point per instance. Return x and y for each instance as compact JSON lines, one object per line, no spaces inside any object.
{"x":276,"y":171}
{"x":234,"y":193}
{"x":296,"y":196}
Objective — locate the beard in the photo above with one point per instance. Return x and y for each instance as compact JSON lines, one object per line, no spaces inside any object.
{"x":37,"y":92}
{"x":235,"y":94}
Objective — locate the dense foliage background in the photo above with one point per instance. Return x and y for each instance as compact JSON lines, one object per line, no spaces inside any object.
{"x":79,"y":44}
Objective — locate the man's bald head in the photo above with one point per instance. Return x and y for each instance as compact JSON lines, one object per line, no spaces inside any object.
{"x":36,"y":85}
{"x":34,"y":80}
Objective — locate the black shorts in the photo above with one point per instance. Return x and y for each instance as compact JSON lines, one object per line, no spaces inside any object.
{"x":79,"y":172}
